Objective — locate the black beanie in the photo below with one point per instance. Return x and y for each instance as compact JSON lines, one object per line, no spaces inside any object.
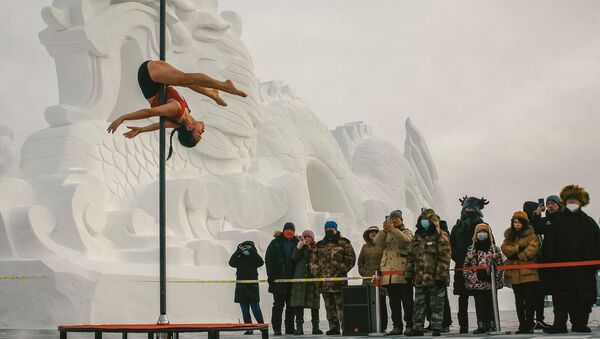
{"x":289,"y":226}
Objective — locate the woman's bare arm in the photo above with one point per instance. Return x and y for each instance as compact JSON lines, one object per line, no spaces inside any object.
{"x":134,"y":130}
{"x":168,"y":110}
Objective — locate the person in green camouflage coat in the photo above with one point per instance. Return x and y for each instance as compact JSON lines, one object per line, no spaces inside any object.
{"x":428,"y":268}
{"x":333,"y":257}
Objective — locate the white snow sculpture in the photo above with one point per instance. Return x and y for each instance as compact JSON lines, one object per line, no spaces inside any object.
{"x":79,"y":211}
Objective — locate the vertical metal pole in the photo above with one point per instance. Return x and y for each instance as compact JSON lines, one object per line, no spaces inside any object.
{"x":494,"y":290}
{"x":162,"y":319}
{"x":378,"y":331}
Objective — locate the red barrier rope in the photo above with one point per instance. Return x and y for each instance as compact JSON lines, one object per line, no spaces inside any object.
{"x":515,"y":267}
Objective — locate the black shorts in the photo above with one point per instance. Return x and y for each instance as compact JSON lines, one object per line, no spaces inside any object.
{"x":147,"y":85}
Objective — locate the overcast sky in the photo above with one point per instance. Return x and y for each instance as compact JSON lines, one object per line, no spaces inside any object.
{"x":507,"y":93}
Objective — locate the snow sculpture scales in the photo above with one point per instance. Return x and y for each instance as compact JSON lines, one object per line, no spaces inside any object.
{"x":78,"y":210}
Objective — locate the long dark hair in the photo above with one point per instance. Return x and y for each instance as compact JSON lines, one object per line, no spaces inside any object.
{"x":186,"y":138}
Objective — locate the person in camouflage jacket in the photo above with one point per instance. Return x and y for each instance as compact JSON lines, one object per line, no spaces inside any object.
{"x":333,"y":257}
{"x":428,"y":268}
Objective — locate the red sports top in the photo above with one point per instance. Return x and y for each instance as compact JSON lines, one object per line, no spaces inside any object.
{"x":173,"y":94}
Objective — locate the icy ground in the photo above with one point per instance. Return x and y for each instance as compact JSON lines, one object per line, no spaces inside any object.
{"x":508,"y":320}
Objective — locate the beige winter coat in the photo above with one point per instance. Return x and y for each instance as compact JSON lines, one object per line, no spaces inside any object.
{"x":395,"y":244}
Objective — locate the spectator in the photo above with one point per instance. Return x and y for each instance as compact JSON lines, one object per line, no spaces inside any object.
{"x":573,"y":236}
{"x":447,"y":321}
{"x":305,"y":294}
{"x":395,"y":240}
{"x":553,"y":207}
{"x":428,"y":267}
{"x":521,"y":246}
{"x":369,"y":261}
{"x":461,"y":238}
{"x":333,"y":257}
{"x":280,"y":265}
{"x":483,"y":252}
{"x":246,"y":261}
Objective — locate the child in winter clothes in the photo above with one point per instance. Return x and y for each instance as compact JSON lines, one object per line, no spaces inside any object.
{"x":483,"y":252}
{"x":369,"y":262}
{"x":428,"y":268}
{"x":246,"y":260}
{"x":521,"y":246}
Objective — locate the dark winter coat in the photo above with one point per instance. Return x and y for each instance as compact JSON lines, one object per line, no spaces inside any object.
{"x":572,"y":237}
{"x":521,"y":248}
{"x":279,"y":264}
{"x":428,"y":262}
{"x":307,"y":294}
{"x":461,"y":238}
{"x":246,"y":269}
{"x":540,"y":224}
{"x":333,"y":258}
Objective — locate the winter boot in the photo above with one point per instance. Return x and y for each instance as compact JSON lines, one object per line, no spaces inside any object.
{"x":299,"y":327}
{"x":289,"y":327}
{"x":396,"y":331}
{"x":334,"y":331}
{"x":276,"y":321}
{"x":582,"y":323}
{"x":560,"y":324}
{"x":411,"y":332}
{"x":491,"y":326}
{"x":540,"y":325}
{"x":315,"y":327}
{"x":480,"y":328}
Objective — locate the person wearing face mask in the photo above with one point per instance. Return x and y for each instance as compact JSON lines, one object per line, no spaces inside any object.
{"x":369,"y":262}
{"x":483,"y":252}
{"x":279,"y":264}
{"x":395,"y":240}
{"x":521,"y":246}
{"x":305,"y":294}
{"x":552,"y":208}
{"x":246,"y":261}
{"x":333,"y":257}
{"x":573,"y":236}
{"x":428,"y":268}
{"x":447,"y":320}
{"x":461,"y":238}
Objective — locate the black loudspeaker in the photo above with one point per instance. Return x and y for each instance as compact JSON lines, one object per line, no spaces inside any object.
{"x":359,"y":310}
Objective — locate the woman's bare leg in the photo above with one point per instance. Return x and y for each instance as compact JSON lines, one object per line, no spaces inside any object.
{"x":209,"y":92}
{"x":162,"y":72}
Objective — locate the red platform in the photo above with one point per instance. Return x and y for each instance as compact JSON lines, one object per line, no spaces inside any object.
{"x":173,"y":330}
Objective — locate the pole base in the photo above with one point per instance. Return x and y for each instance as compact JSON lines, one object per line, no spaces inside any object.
{"x":163,"y":320}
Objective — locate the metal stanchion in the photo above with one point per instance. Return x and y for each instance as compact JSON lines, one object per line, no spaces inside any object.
{"x":495,"y":298}
{"x":379,"y":332}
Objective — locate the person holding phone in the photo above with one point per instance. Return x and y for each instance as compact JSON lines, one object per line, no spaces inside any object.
{"x":395,"y":240}
{"x":305,"y":294}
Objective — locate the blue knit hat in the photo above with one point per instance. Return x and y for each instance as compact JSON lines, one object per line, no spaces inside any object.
{"x":331,"y":224}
